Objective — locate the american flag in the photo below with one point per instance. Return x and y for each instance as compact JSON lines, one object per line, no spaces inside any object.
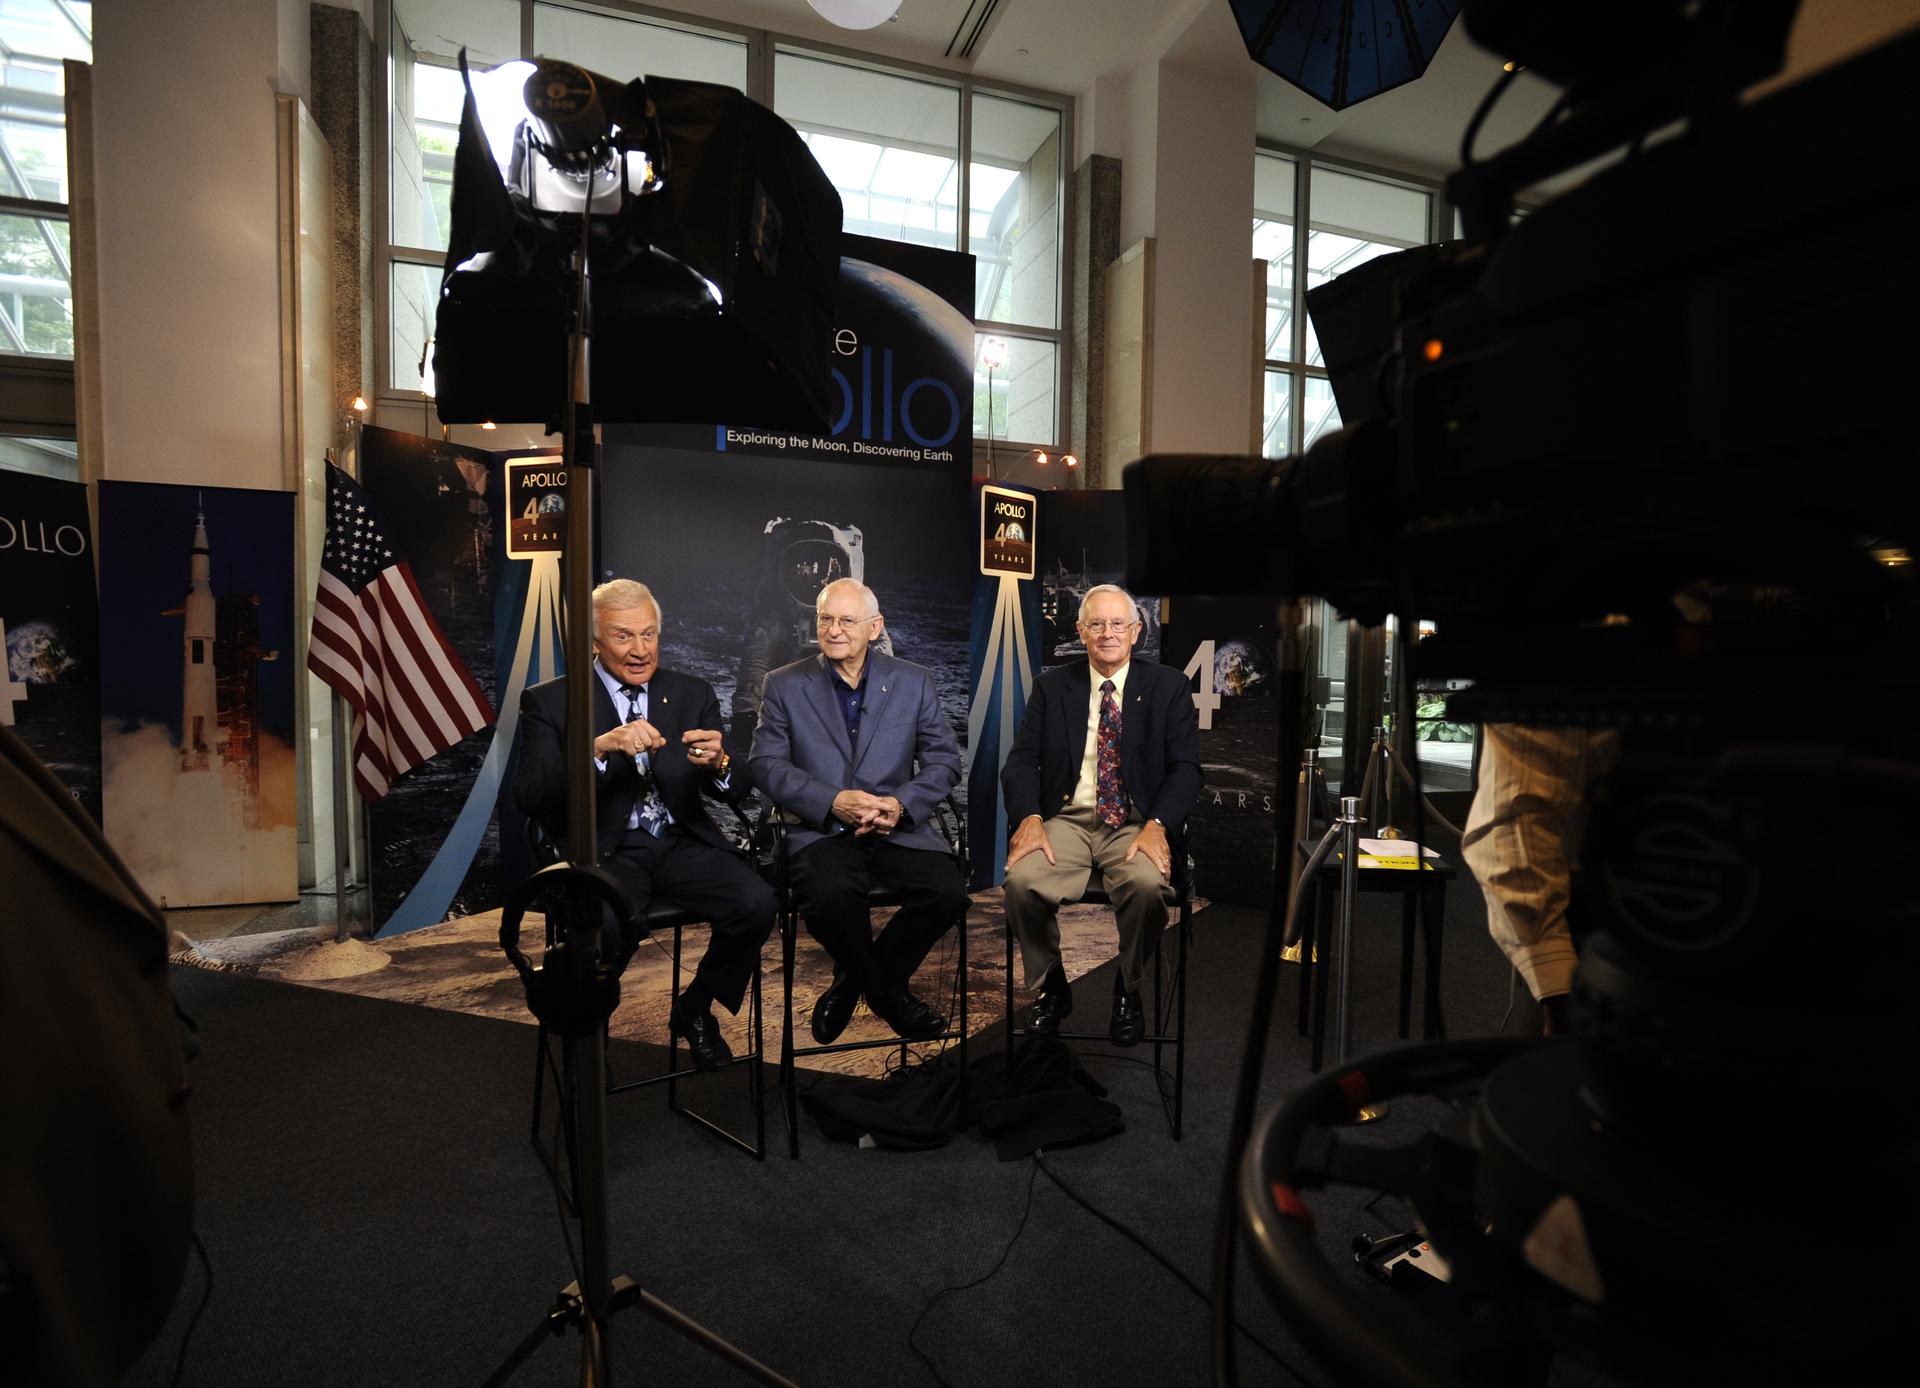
{"x":377,"y":644}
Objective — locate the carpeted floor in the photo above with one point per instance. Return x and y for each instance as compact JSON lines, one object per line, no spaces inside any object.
{"x":374,"y":1214}
{"x":458,"y":964}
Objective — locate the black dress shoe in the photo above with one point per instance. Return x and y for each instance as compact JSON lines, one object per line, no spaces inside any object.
{"x":701,"y":1032}
{"x":1054,"y":1003}
{"x":1129,"y":1021}
{"x":835,"y":1007}
{"x":910,"y":1018}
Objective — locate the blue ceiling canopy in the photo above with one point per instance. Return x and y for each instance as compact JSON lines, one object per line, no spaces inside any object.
{"x":1341,"y":52}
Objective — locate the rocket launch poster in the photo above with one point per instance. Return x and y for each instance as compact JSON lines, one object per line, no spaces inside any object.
{"x":50,"y":629}
{"x":197,"y":680}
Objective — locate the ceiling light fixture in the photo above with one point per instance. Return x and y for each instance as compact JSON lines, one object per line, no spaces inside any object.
{"x":855,"y":14}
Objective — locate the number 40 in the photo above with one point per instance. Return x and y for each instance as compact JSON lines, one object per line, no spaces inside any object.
{"x":1205,"y":701}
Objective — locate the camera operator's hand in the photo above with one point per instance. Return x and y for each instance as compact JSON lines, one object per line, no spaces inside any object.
{"x":632,"y":738}
{"x":1029,"y":837}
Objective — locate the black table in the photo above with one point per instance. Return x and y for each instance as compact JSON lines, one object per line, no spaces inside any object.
{"x":1422,"y":890}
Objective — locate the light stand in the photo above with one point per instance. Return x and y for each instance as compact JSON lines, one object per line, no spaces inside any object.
{"x":588,"y":1303}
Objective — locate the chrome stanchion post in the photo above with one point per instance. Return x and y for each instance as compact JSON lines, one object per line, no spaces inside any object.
{"x":1303,"y":829}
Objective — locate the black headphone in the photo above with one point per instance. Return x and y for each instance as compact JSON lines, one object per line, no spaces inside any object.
{"x":572,"y":995}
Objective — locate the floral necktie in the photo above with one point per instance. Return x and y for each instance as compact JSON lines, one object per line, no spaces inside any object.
{"x":651,"y":809}
{"x":1109,"y":798}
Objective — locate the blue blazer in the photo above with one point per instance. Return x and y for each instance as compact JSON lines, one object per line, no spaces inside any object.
{"x":1159,"y":744}
{"x":802,"y":758}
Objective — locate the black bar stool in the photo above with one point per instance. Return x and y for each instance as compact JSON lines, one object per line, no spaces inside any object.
{"x":1169,"y":1002}
{"x":663,"y":913}
{"x":952,"y":827}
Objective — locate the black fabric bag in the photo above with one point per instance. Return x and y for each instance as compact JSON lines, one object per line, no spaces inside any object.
{"x":1048,"y":1101}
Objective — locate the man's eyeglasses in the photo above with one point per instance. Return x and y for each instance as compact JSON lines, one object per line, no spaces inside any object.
{"x":827,"y":623}
{"x":1114,"y":624}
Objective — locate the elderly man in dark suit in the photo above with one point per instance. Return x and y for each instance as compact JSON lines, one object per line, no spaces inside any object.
{"x":852,"y":744}
{"x":657,"y":745}
{"x":1104,"y":770}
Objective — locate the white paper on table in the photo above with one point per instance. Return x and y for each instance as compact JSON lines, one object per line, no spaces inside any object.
{"x":1393,"y":848}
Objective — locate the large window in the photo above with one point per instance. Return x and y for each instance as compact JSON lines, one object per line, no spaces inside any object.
{"x":1350,"y":218}
{"x":896,"y":142}
{"x":36,"y":267}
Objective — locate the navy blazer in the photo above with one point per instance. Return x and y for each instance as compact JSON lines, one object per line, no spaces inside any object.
{"x":802,"y":758}
{"x":1159,"y":744}
{"x":675,"y":704}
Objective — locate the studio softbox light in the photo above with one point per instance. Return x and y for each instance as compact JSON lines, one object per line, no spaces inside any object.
{"x":1343,"y":51}
{"x":714,"y":250}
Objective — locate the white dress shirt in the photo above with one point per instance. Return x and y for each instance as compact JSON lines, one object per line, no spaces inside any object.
{"x":1086,"y":791}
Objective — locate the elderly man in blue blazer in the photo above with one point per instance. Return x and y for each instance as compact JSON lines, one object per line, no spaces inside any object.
{"x":853,"y":745}
{"x":1104,"y":771}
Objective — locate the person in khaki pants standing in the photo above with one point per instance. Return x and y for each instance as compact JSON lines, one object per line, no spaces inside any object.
{"x":1105,"y":769}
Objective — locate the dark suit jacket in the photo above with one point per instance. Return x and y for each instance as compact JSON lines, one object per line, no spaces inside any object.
{"x":802,"y":758}
{"x":675,"y":703}
{"x":1159,"y":744}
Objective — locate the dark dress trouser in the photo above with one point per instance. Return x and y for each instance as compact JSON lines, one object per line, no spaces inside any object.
{"x":830,"y":882}
{"x":713,"y":884}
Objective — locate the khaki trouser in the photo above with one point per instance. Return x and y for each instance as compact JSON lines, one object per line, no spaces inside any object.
{"x":1036,"y":889}
{"x":1522,"y":835}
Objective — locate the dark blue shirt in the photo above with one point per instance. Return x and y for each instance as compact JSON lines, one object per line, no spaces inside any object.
{"x":851,"y":697}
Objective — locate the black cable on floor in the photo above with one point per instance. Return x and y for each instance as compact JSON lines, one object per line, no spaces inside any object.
{"x":1140,"y":1242}
{"x":998,"y":1263}
{"x":206,"y":1263}
{"x":1040,"y":1164}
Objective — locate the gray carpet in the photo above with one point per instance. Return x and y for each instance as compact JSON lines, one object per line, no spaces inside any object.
{"x":374,"y":1214}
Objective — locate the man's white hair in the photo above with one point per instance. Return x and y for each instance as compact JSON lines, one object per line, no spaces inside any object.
{"x":870,"y":605}
{"x":1099,"y":588}
{"x":622,"y":593}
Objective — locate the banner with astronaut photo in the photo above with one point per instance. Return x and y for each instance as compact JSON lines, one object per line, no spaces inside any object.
{"x":196,"y":692}
{"x":50,"y":629}
{"x":737,"y":529}
{"x":1225,"y":646}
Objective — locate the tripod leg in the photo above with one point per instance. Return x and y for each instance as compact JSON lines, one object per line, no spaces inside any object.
{"x":710,"y":1342}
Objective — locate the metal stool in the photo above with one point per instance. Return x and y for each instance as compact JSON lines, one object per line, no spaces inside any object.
{"x":1166,"y":999}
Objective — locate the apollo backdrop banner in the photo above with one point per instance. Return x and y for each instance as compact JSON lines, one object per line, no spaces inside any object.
{"x":736,"y":528}
{"x":50,"y":629}
{"x":196,"y":695}
{"x":440,"y":505}
{"x":1225,"y":645}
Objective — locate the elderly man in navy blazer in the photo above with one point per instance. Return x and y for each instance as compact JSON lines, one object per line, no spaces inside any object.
{"x":656,"y":748}
{"x":853,"y":745}
{"x":1105,"y":769}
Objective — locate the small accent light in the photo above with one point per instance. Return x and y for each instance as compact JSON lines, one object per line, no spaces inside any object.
{"x":1434,"y":350}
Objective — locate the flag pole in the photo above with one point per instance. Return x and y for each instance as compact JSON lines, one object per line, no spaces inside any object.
{"x":342,"y":844}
